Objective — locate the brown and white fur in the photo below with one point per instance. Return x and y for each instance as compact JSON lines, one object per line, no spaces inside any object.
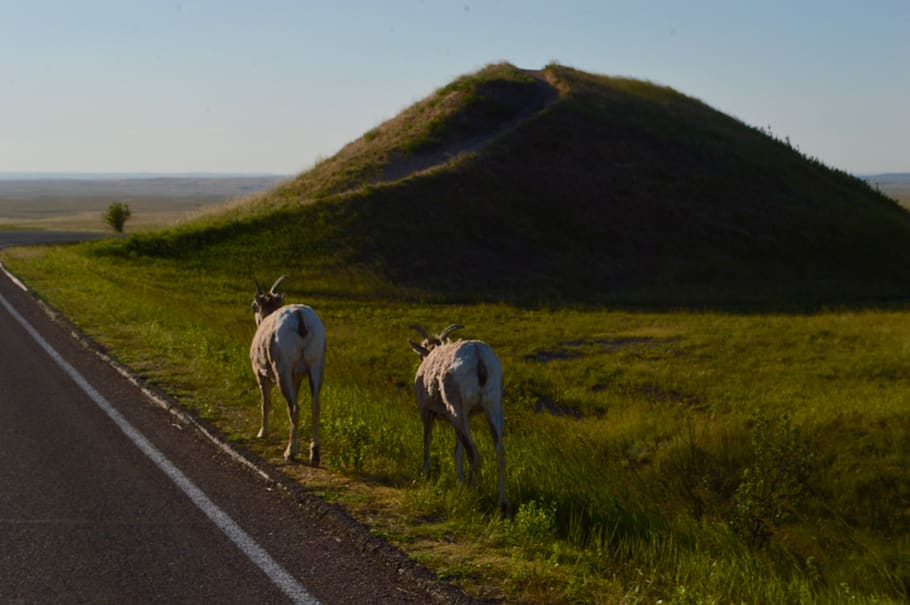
{"x":289,"y":344}
{"x":455,"y":379}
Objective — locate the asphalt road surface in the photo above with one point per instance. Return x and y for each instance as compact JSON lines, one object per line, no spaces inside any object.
{"x":107,"y":497}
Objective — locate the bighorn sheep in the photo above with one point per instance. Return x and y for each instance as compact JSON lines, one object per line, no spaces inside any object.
{"x":453,"y":380}
{"x":289,"y":344}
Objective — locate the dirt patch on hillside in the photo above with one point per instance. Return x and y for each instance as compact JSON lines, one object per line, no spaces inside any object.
{"x":475,"y":130}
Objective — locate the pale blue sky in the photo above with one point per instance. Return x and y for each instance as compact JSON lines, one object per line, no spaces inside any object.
{"x":270,"y":86}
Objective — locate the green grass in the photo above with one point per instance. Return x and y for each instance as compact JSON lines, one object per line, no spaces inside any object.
{"x":686,"y":456}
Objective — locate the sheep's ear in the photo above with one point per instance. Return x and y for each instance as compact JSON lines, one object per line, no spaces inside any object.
{"x":419,"y":349}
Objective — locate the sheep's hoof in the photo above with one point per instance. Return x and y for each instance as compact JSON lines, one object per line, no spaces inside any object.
{"x":505,"y":509}
{"x":261,"y":434}
{"x":314,"y":454}
{"x":291,"y":451}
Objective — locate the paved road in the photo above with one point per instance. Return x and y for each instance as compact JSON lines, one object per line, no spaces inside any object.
{"x":89,"y":516}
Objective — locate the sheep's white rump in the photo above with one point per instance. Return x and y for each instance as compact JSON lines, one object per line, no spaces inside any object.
{"x":454,"y":380}
{"x":289,"y":345}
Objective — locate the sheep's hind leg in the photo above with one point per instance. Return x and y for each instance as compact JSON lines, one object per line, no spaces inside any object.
{"x":289,"y":389}
{"x":463,"y":442}
{"x":496,"y":432}
{"x":459,"y":458}
{"x":315,"y":386}
{"x":293,"y":447}
{"x":265,"y":390}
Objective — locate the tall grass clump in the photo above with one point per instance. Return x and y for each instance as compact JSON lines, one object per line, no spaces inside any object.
{"x":774,"y":485}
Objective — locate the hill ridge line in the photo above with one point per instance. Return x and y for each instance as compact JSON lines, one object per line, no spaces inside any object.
{"x":403,"y":165}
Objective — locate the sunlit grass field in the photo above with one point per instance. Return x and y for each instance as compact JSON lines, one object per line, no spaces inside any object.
{"x":685,"y":456}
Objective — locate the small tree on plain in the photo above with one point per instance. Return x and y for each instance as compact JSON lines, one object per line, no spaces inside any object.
{"x":116,"y":216}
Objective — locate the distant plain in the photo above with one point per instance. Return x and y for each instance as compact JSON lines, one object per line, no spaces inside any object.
{"x":77,"y":203}
{"x":896,"y":185}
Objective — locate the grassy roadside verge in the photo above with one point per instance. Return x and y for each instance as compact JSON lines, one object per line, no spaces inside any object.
{"x":685,"y":456}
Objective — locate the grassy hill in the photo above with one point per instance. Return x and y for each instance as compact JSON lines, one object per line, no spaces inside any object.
{"x":562,"y":185}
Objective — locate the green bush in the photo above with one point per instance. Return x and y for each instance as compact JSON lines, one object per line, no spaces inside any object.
{"x":533,"y":525}
{"x":116,"y":215}
{"x":774,"y":485}
{"x":351,"y":442}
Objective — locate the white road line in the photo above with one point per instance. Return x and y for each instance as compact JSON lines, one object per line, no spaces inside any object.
{"x":276,"y":573}
{"x":13,"y":278}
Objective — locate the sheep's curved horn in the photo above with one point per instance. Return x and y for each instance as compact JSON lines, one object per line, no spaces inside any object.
{"x":277,"y":283}
{"x":421,"y":330}
{"x":449,"y":330}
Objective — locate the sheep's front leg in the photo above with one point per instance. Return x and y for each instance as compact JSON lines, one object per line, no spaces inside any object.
{"x":265,"y":391}
{"x":427,"y":417}
{"x":315,"y":387}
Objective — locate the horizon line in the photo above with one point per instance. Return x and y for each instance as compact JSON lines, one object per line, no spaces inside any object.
{"x":127,"y":175}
